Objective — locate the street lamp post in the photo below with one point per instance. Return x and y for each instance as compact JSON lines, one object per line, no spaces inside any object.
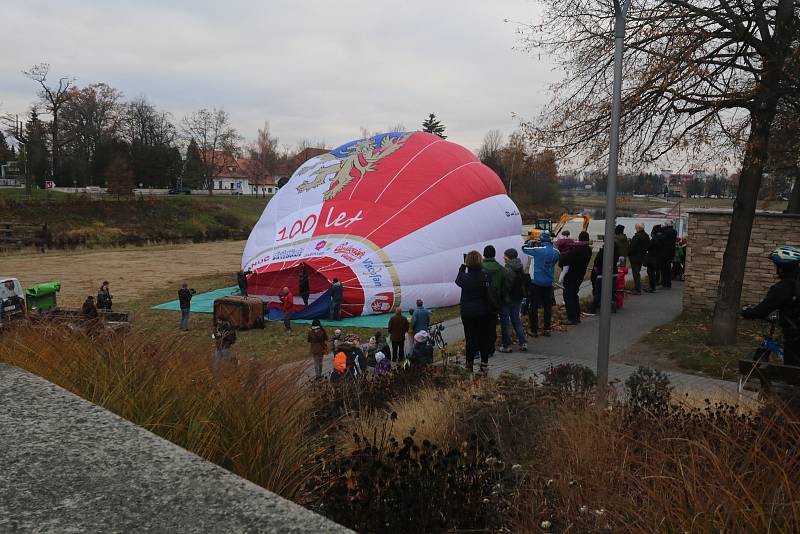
{"x":607,"y":285}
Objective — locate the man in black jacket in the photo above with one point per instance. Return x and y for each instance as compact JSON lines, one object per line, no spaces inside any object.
{"x":241,"y":281}
{"x":655,"y":253}
{"x":303,"y":286}
{"x":185,"y":300}
{"x":784,"y":297}
{"x":577,"y":260}
{"x":637,"y":252}
{"x":670,"y":236}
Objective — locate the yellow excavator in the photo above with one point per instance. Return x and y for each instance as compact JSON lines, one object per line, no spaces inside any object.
{"x":546,"y":225}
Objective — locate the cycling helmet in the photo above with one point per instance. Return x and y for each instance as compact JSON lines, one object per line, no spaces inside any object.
{"x":785,"y":255}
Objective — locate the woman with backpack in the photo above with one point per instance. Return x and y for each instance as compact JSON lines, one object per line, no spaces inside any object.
{"x":475,"y":314}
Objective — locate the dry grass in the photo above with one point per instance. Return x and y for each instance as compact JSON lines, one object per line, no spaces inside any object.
{"x":582,"y":467}
{"x":687,"y":471}
{"x":431,"y":414}
{"x":691,"y":398}
{"x":249,"y":418}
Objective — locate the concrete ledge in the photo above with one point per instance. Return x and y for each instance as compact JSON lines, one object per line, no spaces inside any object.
{"x":71,"y":466}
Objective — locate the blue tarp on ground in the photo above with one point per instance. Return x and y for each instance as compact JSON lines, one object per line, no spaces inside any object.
{"x":319,"y":309}
{"x":204,"y":303}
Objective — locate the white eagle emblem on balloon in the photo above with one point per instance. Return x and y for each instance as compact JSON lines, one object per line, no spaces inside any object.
{"x":362,"y":157}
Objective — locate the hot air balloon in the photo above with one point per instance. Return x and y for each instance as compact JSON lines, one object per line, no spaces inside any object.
{"x":390,"y":217}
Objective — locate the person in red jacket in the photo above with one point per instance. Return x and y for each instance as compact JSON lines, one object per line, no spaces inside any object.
{"x":287,"y":305}
{"x":619,"y":283}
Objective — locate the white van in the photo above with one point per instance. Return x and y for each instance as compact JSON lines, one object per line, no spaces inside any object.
{"x":12,"y":298}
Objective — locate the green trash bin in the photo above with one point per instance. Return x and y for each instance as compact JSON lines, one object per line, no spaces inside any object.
{"x":42,"y":297}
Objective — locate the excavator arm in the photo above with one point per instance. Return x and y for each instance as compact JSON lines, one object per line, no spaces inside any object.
{"x":565,"y":218}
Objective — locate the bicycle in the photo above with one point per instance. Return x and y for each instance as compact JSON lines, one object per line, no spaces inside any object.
{"x":436,"y":338}
{"x":760,"y":364}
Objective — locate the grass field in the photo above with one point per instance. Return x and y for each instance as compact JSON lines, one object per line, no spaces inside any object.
{"x":78,"y":220}
{"x":684,"y":340}
{"x":272,"y":345}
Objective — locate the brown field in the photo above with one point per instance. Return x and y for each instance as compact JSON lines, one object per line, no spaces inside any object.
{"x":132,"y":271}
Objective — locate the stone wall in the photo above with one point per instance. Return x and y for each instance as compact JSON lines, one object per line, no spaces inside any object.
{"x":708,"y":235}
{"x":67,"y":465}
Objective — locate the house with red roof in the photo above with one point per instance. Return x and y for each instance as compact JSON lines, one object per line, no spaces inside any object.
{"x":242,"y":176}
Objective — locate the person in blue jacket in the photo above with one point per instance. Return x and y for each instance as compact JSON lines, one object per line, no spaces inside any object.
{"x":540,"y":294}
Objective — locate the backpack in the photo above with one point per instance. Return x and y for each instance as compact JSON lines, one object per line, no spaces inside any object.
{"x":516,"y":288}
{"x":492,"y":301}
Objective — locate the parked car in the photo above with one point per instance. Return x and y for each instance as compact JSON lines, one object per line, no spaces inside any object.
{"x":182,"y":190}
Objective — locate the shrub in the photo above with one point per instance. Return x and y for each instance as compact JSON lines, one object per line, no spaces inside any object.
{"x":391,"y":486}
{"x":648,"y":388}
{"x":570,"y":377}
{"x":372,"y":392}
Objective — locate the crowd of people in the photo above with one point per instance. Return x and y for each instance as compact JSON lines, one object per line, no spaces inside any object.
{"x":505,"y":293}
{"x":352,"y":358}
{"x":492,"y":293}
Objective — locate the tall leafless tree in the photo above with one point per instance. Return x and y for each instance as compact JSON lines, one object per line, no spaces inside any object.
{"x":697,"y":74}
{"x":784,"y":153}
{"x":265,"y":150}
{"x":91,"y":116}
{"x":53,"y":98}
{"x":216,"y":139}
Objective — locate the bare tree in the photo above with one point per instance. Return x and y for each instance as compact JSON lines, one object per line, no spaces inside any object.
{"x":492,"y":143}
{"x":90,"y":118}
{"x":784,"y":153}
{"x":151,"y":136}
{"x":513,"y":156}
{"x":143,"y":124}
{"x":491,"y":154}
{"x":265,"y":150}
{"x":310,"y":143}
{"x":215,"y":138}
{"x":697,"y":73}
{"x":53,"y":98}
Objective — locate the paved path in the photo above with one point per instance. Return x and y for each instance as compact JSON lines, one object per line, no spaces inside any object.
{"x":578,"y":344}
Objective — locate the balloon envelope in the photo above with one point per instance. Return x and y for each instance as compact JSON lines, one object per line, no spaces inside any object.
{"x":390,"y":217}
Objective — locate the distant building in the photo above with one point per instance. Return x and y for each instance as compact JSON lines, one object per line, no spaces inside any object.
{"x":677,"y":185}
{"x":241,"y":176}
{"x":10,"y":175}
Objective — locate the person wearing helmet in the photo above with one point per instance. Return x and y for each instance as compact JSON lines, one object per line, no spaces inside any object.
{"x":540,"y":293}
{"x":784,"y":297}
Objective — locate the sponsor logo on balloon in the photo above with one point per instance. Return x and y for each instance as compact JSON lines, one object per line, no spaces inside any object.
{"x":382,"y":302}
{"x":373,"y":272}
{"x":321,"y":245}
{"x":357,"y":160}
{"x":260,"y":261}
{"x":349,"y":252}
{"x":288,"y":254}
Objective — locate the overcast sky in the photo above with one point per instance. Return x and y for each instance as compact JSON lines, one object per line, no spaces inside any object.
{"x":314,"y":69}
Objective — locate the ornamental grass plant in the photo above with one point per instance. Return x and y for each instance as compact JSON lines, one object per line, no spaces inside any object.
{"x":434,"y":450}
{"x":248,"y":418}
